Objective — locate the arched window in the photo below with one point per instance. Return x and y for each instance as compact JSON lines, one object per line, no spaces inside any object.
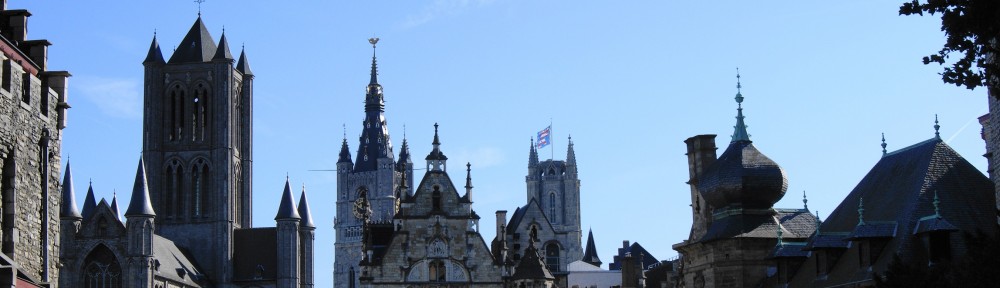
{"x":174,"y":116}
{"x":180,"y":195}
{"x":199,"y":187}
{"x":199,"y":115}
{"x":436,"y":197}
{"x":101,"y":269}
{"x":351,"y":278}
{"x":174,"y":187}
{"x":436,"y":271}
{"x":552,"y":257}
{"x":552,"y":207}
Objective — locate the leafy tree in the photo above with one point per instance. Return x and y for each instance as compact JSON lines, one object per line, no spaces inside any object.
{"x":972,"y":28}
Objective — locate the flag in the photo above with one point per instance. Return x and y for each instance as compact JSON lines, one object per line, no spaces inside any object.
{"x":543,"y":137}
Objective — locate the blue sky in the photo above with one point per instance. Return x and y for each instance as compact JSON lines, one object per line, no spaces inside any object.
{"x":629,"y":80}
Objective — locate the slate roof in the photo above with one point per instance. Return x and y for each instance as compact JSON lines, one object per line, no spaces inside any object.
{"x":531,"y":266}
{"x":743,"y":176}
{"x":900,"y":189}
{"x":873,"y":230}
{"x":140,"y":205}
{"x":89,"y":203}
{"x":197,"y":45}
{"x":827,"y":240}
{"x":253,"y":247}
{"x":222,"y":52}
{"x":789,"y":250}
{"x":68,"y":208}
{"x":243,"y":65}
{"x":590,"y":254}
{"x":931,"y":224}
{"x":635,"y":249}
{"x":154,"y":55}
{"x":174,"y":263}
{"x":795,"y":223}
{"x":286,"y":209}
{"x":303,"y":210}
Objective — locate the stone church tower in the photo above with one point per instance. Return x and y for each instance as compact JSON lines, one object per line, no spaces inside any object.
{"x":197,"y":144}
{"x":374,"y":177}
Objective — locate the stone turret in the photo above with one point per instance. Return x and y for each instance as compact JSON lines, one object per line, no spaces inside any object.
{"x":140,"y":225}
{"x":307,"y":237}
{"x":288,"y":219}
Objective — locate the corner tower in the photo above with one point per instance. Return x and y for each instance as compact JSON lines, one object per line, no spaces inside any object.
{"x":372,"y":180}
{"x":196,"y":144}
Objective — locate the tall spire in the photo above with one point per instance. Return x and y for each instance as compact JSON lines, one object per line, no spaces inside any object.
{"x":468,"y":182}
{"x":286,"y":209}
{"x":404,"y":156}
{"x":154,"y":56}
{"x":89,"y":203}
{"x":374,"y":79}
{"x":243,"y":65}
{"x":533,"y":155}
{"x":883,"y":145}
{"x":590,"y":254}
{"x":740,"y":134}
{"x":68,"y":206}
{"x":570,"y":152}
{"x":197,"y":45}
{"x":345,"y":153}
{"x":140,"y":205}
{"x":304,"y":210}
{"x":114,"y":203}
{"x":937,"y":128}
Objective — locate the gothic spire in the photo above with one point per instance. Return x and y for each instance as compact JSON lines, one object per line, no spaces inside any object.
{"x":740,"y":133}
{"x":590,"y":254}
{"x":533,"y":154}
{"x":286,"y":210}
{"x":374,"y":139}
{"x":345,"y":154}
{"x":114,"y":203}
{"x":468,"y":182}
{"x":89,"y":203}
{"x":68,"y":208}
{"x":243,"y":65}
{"x":154,"y":56}
{"x":140,"y":205}
{"x":404,"y":156}
{"x":222,"y":53}
{"x":436,"y":159}
{"x":374,"y":80}
{"x":307,"y":220}
{"x":570,"y":153}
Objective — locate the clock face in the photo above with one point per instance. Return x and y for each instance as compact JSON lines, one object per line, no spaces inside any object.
{"x":361,"y":207}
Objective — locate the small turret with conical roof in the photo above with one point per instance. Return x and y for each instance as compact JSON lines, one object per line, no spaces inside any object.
{"x":68,"y":208}
{"x":154,"y":56}
{"x":468,"y":183}
{"x":590,"y":254}
{"x":222,"y":53}
{"x":288,"y":219}
{"x":286,"y":209}
{"x":303,"y":210}
{"x":89,"y":202}
{"x":307,"y":237}
{"x":243,"y":65}
{"x":140,"y":205}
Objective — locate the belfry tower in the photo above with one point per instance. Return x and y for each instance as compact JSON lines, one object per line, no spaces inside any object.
{"x":197,"y":146}
{"x":372,"y":181}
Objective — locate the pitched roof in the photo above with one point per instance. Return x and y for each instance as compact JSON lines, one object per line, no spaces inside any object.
{"x":89,"y":203}
{"x":154,"y":55}
{"x":590,"y":254}
{"x":795,"y":223}
{"x":634,"y":249}
{"x":531,"y":266}
{"x":174,"y":263}
{"x":243,"y":65}
{"x":197,"y":45}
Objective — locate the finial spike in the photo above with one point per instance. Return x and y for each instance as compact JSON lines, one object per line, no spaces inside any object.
{"x":740,"y":133}
{"x":805,"y":202}
{"x":199,"y":6}
{"x":779,"y":236}
{"x":937,"y":132}
{"x":861,"y":211}
{"x":937,"y":203}
{"x":883,"y":144}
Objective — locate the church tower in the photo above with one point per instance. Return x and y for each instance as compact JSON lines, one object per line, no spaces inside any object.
{"x":372,"y":180}
{"x":197,"y":146}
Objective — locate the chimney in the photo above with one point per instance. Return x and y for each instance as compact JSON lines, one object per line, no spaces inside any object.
{"x":18,"y":24}
{"x":57,"y":80}
{"x":38,"y":51}
{"x":501,"y":221}
{"x":701,"y":154}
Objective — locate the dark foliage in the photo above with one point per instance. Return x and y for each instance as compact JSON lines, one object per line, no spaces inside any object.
{"x":977,"y":268}
{"x":972,"y":28}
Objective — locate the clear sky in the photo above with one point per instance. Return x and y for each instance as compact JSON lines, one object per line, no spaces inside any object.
{"x":630,"y":80}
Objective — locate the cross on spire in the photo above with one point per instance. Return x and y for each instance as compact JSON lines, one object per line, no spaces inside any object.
{"x":199,"y":6}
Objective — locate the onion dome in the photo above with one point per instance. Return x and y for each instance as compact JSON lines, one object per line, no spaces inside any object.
{"x":743,"y":177}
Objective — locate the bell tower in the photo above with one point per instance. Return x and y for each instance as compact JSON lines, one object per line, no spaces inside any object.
{"x":196,"y":142}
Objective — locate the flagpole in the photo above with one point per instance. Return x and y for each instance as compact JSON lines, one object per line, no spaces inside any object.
{"x":552,"y":148}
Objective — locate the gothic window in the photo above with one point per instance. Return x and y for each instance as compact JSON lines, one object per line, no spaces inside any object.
{"x":436,"y":271}
{"x":175,"y":114}
{"x":552,"y":257}
{"x":351,"y":278}
{"x":436,"y":197}
{"x":101,"y":269}
{"x":199,"y":187}
{"x":199,"y":115}
{"x":552,"y":207}
{"x":172,"y":180}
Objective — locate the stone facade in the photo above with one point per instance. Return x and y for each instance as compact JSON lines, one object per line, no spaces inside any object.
{"x":991,"y":135}
{"x":433,"y":240}
{"x":33,"y":104}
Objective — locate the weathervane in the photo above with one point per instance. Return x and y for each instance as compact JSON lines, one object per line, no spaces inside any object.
{"x":370,"y":40}
{"x":199,"y":6}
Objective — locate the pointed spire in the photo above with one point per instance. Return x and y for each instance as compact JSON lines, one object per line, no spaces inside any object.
{"x":436,"y":159}
{"x":154,"y":56}
{"x":68,"y":208}
{"x":307,"y":220}
{"x":140,"y":205}
{"x":222,"y":53}
{"x":286,"y":210}
{"x":345,"y":153}
{"x":883,"y":145}
{"x":89,"y":203}
{"x":404,"y":155}
{"x":468,"y":182}
{"x":374,"y":79}
{"x":805,"y":202}
{"x":197,"y":46}
{"x":740,"y":134}
{"x":533,"y":155}
{"x":590,"y":254}
{"x":937,"y":128}
{"x":114,"y":203}
{"x":817,"y":222}
{"x":570,"y":152}
{"x":861,"y":211}
{"x":243,"y":65}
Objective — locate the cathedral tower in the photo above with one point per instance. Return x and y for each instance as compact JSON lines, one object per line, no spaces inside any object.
{"x":197,"y":146}
{"x":373,"y":178}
